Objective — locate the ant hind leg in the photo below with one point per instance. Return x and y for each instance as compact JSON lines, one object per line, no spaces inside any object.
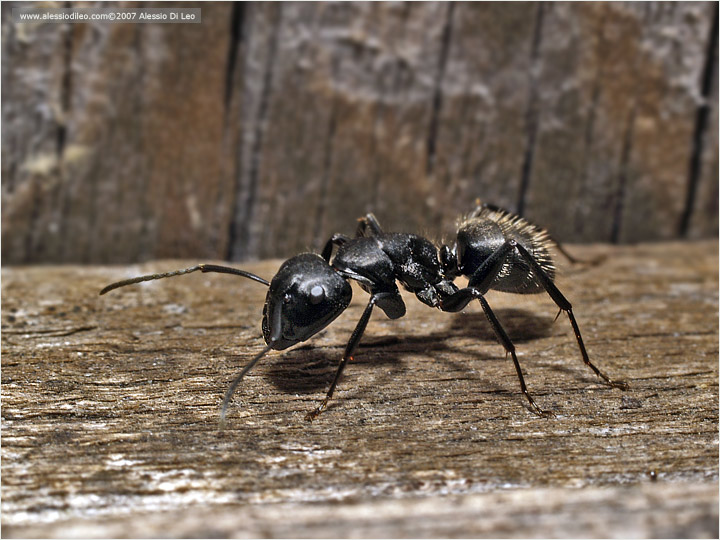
{"x":565,"y":306}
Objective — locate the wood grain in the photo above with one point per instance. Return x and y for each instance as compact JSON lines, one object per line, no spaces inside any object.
{"x":258,"y":132}
{"x":110,"y":410}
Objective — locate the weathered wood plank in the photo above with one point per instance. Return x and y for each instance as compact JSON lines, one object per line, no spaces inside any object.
{"x":32,"y":124}
{"x":486,"y":91}
{"x":604,"y":76}
{"x":258,"y":132}
{"x":703,"y":216}
{"x":662,"y":143}
{"x":644,"y":511}
{"x":110,"y":410}
{"x":128,"y":155}
{"x":344,"y":102}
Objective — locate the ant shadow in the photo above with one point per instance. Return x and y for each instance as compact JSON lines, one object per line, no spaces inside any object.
{"x":521,"y":326}
{"x":307,"y":369}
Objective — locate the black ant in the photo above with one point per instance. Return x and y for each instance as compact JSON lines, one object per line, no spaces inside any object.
{"x":494,"y":249}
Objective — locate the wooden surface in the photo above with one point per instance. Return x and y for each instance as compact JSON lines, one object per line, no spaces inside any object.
{"x":256,"y":133}
{"x":110,"y":410}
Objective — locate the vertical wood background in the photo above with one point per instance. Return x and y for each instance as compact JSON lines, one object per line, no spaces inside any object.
{"x":270,"y":126}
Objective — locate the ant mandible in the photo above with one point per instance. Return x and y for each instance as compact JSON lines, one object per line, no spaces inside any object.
{"x":494,"y":249}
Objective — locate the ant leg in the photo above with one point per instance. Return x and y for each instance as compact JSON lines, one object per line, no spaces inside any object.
{"x":565,"y":306}
{"x":480,"y":204}
{"x":462,"y":298}
{"x":335,"y":240}
{"x":509,"y":348}
{"x":486,"y":274}
{"x":368,"y":226}
{"x":488,"y":271}
{"x":458,"y":300}
{"x":349,"y":350}
{"x":574,"y":260}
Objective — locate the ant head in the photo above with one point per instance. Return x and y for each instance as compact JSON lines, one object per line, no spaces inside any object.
{"x":304,"y":297}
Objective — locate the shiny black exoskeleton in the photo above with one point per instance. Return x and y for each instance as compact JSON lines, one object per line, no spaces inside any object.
{"x":494,"y":250}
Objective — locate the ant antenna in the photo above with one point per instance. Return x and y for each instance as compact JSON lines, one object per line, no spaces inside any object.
{"x":200,"y":267}
{"x":274,"y":337}
{"x":222,"y":270}
{"x":236,"y":381}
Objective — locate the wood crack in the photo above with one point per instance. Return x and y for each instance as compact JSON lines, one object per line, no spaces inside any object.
{"x":701,"y":126}
{"x":620,"y":192}
{"x":532,"y":115}
{"x":237,"y":19}
{"x":50,"y":332}
{"x":437,"y":92}
{"x":325,"y":179}
{"x":243,"y":214}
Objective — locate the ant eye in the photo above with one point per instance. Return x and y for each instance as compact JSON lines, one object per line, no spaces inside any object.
{"x":317,"y":294}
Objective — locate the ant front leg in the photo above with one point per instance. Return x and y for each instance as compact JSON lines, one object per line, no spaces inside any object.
{"x":458,"y":301}
{"x":349,"y":350}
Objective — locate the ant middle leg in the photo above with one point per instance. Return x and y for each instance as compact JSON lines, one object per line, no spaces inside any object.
{"x":458,"y":301}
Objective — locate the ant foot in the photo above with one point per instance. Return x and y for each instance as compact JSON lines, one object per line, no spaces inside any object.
{"x":543,"y":413}
{"x":547,"y":414}
{"x":540,"y":412}
{"x":312,"y":415}
{"x":622,"y":385}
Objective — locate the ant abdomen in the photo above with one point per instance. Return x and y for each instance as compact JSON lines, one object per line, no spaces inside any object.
{"x":486,"y":231}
